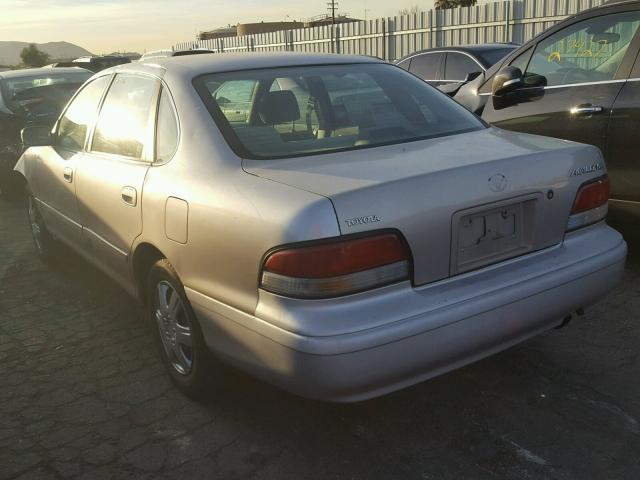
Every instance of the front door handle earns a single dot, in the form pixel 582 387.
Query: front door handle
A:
pixel 586 110
pixel 67 173
pixel 129 196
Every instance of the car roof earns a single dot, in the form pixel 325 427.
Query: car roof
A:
pixel 228 62
pixel 36 72
pixel 471 49
pixel 604 6
pixel 614 2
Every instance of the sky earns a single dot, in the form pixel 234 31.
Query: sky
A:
pixel 104 26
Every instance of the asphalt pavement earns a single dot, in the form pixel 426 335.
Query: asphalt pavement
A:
pixel 83 395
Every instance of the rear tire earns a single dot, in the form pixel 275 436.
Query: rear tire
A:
pixel 177 332
pixel 42 239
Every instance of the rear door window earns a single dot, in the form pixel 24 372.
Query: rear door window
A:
pixel 166 129
pixel 405 64
pixel 124 124
pixel 458 66
pixel 427 66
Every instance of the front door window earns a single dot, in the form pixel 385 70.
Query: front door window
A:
pixel 587 51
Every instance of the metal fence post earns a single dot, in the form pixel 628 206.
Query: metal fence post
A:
pixel 507 20
pixel 384 39
pixel 430 19
pixel 391 39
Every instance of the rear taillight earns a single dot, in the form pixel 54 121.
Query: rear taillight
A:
pixel 338 267
pixel 590 205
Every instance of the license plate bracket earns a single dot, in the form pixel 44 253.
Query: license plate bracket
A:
pixel 491 233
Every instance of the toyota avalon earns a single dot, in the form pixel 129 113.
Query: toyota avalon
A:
pixel 331 224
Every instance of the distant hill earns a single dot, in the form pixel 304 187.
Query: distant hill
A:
pixel 10 51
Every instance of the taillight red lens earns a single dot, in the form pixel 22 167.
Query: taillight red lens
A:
pixel 339 258
pixel 338 267
pixel 590 196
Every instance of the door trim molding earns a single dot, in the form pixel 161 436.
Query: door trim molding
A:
pixel 106 242
pixel 59 213
pixel 553 87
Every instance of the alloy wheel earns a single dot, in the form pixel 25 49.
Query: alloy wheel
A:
pixel 174 327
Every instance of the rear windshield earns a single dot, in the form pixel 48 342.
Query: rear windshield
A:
pixel 287 112
pixel 493 56
pixel 14 85
pixel 15 90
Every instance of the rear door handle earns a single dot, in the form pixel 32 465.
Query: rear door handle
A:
pixel 67 173
pixel 585 110
pixel 129 196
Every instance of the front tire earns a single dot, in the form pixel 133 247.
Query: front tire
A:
pixel 177 332
pixel 10 186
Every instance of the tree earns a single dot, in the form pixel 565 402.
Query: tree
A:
pixel 410 11
pixel 442 4
pixel 33 57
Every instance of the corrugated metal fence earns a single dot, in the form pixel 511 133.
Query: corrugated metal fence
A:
pixel 392 38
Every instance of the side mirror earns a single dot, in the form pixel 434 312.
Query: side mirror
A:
pixel 471 76
pixel 37 136
pixel 506 81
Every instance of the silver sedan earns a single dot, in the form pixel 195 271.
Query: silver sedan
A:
pixel 331 224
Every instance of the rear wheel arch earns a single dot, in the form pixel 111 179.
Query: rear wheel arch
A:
pixel 144 257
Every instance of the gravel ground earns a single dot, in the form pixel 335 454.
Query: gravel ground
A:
pixel 83 395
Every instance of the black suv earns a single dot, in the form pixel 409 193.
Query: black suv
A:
pixel 579 80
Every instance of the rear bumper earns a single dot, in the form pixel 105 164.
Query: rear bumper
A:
pixel 370 344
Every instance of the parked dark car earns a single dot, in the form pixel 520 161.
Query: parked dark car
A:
pixel 99 63
pixel 579 80
pixel 31 97
pixel 61 65
pixel 451 67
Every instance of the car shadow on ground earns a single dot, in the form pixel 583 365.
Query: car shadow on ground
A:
pixel 83 390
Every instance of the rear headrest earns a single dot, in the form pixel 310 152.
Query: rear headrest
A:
pixel 279 107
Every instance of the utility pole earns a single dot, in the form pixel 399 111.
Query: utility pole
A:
pixel 332 5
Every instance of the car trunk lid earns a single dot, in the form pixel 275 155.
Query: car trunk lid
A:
pixel 462 202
